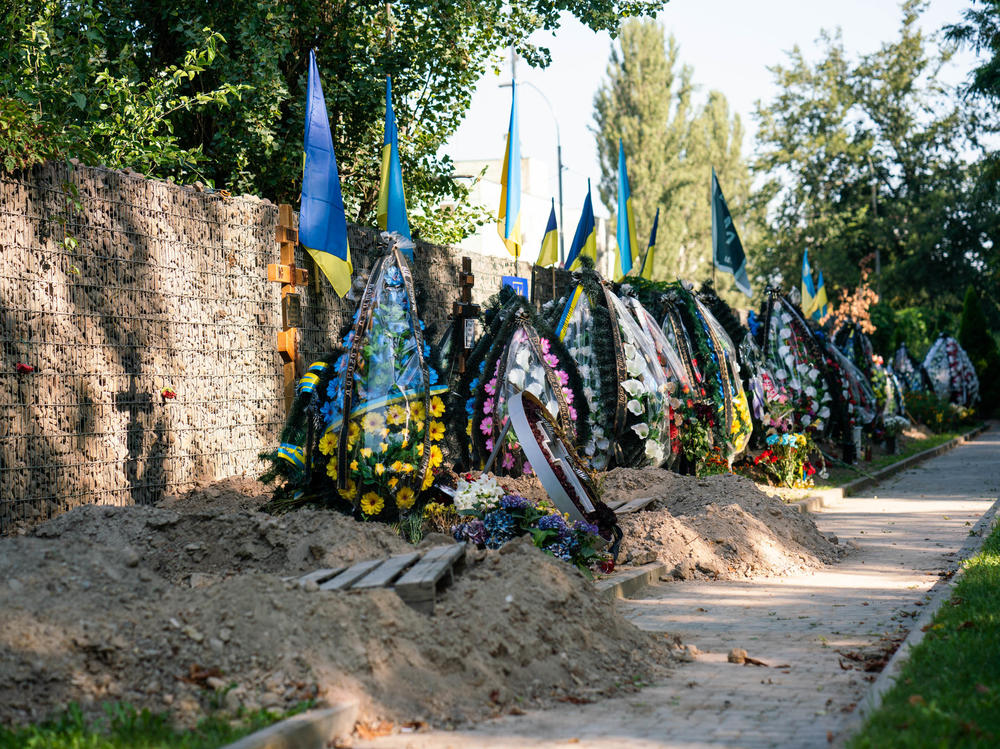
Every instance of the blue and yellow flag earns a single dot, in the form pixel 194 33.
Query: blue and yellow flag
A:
pixel 549 254
pixel 322 222
pixel 808 290
pixel 647 260
pixel 820 300
pixel 585 239
pixel 391 200
pixel 628 250
pixel 727 250
pixel 509 215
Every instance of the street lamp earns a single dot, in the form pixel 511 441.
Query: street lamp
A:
pixel 559 164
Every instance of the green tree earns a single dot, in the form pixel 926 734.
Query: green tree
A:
pixel 670 145
pixel 435 51
pixel 876 153
pixel 976 338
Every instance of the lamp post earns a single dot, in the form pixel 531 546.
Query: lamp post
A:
pixel 559 164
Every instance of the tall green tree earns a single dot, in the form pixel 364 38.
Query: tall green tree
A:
pixel 435 50
pixel 877 153
pixel 671 145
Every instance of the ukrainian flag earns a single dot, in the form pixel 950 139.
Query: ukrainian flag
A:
pixel 322 222
pixel 391 201
pixel 808 290
pixel 549 254
pixel 585 239
pixel 509 215
pixel 820 301
pixel 647 260
pixel 627 237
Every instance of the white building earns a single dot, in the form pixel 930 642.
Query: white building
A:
pixel 538 188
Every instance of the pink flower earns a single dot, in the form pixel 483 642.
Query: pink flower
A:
pixel 572 413
pixel 551 360
pixel 489 444
pixel 567 394
pixel 491 386
pixel 486 425
pixel 563 377
pixel 527 468
pixel 508 461
pixel 488 406
pixel 545 345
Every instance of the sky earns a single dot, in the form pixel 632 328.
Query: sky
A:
pixel 729 43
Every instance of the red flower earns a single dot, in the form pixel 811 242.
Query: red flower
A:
pixel 24 368
pixel 607 566
pixel 168 393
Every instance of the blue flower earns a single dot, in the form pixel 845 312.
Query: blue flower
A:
pixel 427 351
pixel 341 364
pixel 474 531
pixel 432 375
pixel 470 406
pixel 554 522
pixel 753 322
pixel 501 528
pixel 515 502
pixel 584 527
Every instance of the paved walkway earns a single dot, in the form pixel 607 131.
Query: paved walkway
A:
pixel 908 531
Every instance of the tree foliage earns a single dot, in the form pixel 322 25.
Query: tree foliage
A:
pixel 671 145
pixel 877 153
pixel 242 122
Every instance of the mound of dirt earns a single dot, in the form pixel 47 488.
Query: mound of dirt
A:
pixel 718 527
pixel 171 610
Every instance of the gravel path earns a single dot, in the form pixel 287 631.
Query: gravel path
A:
pixel 817 633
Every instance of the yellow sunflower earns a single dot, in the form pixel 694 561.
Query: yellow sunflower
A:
pixel 437 430
pixel 328 442
pixel 372 504
pixel 331 468
pixel 396 414
pixel 373 422
pixel 353 432
pixel 417 410
pixel 437 457
pixel 405 498
pixel 428 480
pixel 350 490
pixel 437 406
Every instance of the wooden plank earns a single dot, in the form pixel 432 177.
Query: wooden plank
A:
pixel 634 506
pixel 418 587
pixel 320 576
pixel 385 573
pixel 617 503
pixel 346 578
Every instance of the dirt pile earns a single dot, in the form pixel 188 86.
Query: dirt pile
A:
pixel 718 527
pixel 170 611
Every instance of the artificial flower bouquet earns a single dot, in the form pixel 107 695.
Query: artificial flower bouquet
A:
pixel 382 417
pixel 490 517
pixel 785 461
pixel 518 352
pixel 623 380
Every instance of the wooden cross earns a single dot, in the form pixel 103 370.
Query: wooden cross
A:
pixel 464 313
pixel 289 276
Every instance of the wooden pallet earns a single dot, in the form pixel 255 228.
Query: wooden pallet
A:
pixel 634 505
pixel 417 576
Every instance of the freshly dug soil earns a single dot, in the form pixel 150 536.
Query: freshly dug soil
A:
pixel 168 610
pixel 717 527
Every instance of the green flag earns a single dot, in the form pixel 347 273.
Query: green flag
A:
pixel 727 250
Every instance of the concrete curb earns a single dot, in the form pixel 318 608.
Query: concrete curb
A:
pixel 628 583
pixel 828 497
pixel 937 596
pixel 310 730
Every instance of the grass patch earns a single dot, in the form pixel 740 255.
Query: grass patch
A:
pixel 840 475
pixel 948 693
pixel 125 727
